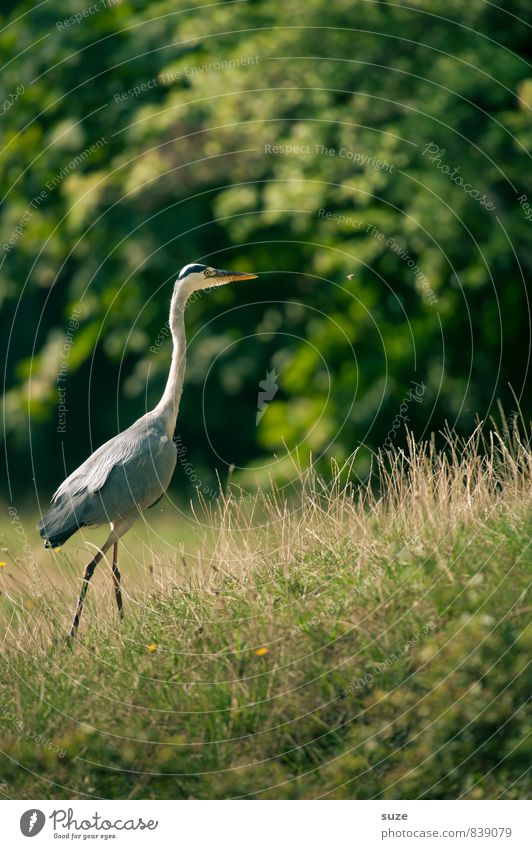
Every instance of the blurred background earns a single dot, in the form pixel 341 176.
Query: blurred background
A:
pixel 371 161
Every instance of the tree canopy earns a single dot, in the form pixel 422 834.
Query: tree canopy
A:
pixel 370 160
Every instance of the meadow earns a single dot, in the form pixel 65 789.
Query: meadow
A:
pixel 327 640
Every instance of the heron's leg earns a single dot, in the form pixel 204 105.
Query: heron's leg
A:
pixel 116 582
pixel 87 575
pixel 118 529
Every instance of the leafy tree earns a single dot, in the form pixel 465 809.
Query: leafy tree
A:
pixel 368 159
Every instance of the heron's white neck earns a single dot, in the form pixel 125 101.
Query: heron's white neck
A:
pixel 168 407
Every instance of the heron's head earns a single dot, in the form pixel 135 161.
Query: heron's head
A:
pixel 196 276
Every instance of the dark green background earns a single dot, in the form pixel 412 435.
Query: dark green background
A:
pixel 184 175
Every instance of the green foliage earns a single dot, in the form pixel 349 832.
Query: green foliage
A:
pixel 187 169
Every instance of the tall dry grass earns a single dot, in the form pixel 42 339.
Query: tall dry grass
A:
pixel 421 494
pixel 417 497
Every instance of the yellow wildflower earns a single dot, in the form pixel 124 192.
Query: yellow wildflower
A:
pixel 261 652
pixel 152 647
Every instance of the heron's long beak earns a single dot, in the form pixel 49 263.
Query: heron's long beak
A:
pixel 224 276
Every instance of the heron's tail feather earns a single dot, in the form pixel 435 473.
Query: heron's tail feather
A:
pixel 57 525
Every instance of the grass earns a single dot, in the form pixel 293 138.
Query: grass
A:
pixel 338 642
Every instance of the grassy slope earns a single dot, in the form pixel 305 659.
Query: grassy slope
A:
pixel 396 664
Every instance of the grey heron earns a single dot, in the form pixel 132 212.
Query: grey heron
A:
pixel 133 469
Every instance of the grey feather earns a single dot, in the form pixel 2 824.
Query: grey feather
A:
pixel 125 475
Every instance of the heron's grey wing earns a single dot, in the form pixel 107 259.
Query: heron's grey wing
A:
pixel 134 483
pixel 93 473
pixel 122 475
